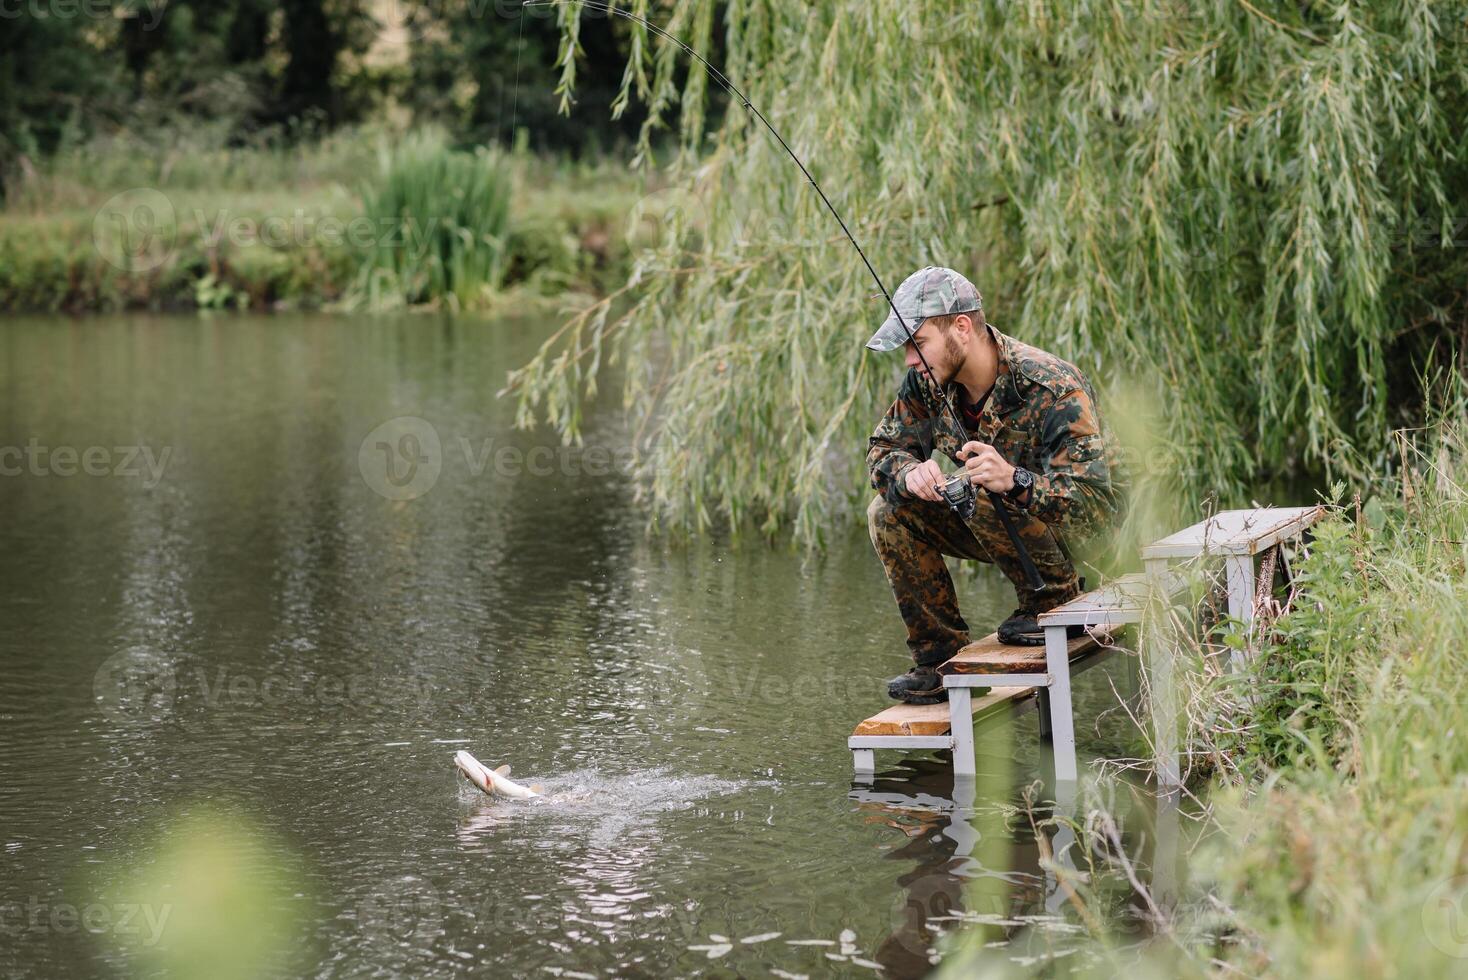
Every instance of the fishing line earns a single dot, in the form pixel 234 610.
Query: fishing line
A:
pixel 1026 561
pixel 515 104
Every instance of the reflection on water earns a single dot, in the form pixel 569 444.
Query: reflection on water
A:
pixel 994 885
pixel 297 626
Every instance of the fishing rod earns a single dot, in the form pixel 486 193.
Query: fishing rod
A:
pixel 957 491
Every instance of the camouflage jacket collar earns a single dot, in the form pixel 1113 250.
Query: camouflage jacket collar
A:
pixel 1005 396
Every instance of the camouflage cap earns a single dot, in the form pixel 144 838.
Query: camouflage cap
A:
pixel 930 291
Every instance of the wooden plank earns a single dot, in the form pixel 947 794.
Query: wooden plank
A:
pixel 1113 605
pixel 989 656
pixel 932 719
pixel 1235 532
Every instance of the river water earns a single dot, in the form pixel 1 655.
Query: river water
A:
pixel 262 576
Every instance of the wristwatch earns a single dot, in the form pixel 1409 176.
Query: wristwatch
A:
pixel 1023 481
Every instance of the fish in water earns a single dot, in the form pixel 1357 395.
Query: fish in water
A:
pixel 495 782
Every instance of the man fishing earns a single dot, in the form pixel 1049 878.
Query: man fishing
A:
pixel 1031 435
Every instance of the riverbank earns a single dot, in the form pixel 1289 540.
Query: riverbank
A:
pixel 1329 836
pixel 1343 848
pixel 127 224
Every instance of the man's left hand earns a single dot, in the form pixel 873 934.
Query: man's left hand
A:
pixel 986 468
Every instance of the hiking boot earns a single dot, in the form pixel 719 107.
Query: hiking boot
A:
pixel 920 685
pixel 1022 630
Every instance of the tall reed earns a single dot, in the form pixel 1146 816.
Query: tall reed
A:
pixel 439 221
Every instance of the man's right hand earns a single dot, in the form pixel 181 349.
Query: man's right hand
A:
pixel 924 479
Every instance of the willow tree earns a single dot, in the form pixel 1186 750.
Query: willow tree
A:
pixel 1242 214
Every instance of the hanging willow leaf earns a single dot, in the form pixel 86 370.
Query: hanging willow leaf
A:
pixel 1228 211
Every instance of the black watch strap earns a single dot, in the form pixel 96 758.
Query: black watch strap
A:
pixel 1023 481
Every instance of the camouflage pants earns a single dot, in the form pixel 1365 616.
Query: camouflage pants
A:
pixel 912 538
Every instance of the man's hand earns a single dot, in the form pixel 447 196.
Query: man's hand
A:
pixel 986 468
pixel 924 479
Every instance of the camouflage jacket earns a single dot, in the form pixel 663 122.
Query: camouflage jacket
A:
pixel 1041 414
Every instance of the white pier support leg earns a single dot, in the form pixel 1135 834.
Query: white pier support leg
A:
pixel 1239 573
pixel 864 760
pixel 1062 848
pixel 1165 851
pixel 1042 698
pixel 1062 720
pixel 1159 660
pixel 961 724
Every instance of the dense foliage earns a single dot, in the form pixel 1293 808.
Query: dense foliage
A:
pixel 366 218
pixel 72 71
pixel 251 71
pixel 441 223
pixel 1244 213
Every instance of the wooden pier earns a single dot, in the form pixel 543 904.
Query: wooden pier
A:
pixel 1021 676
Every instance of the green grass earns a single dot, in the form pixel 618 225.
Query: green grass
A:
pixel 440 220
pixel 200 225
pixel 1333 839
pixel 1347 832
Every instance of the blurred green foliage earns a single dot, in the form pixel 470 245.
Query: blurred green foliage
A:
pixel 265 227
pixel 256 72
pixel 439 220
pixel 215 893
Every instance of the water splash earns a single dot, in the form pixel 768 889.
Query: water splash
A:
pixel 600 807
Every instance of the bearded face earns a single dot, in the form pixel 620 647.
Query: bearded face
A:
pixel 953 357
pixel 942 350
